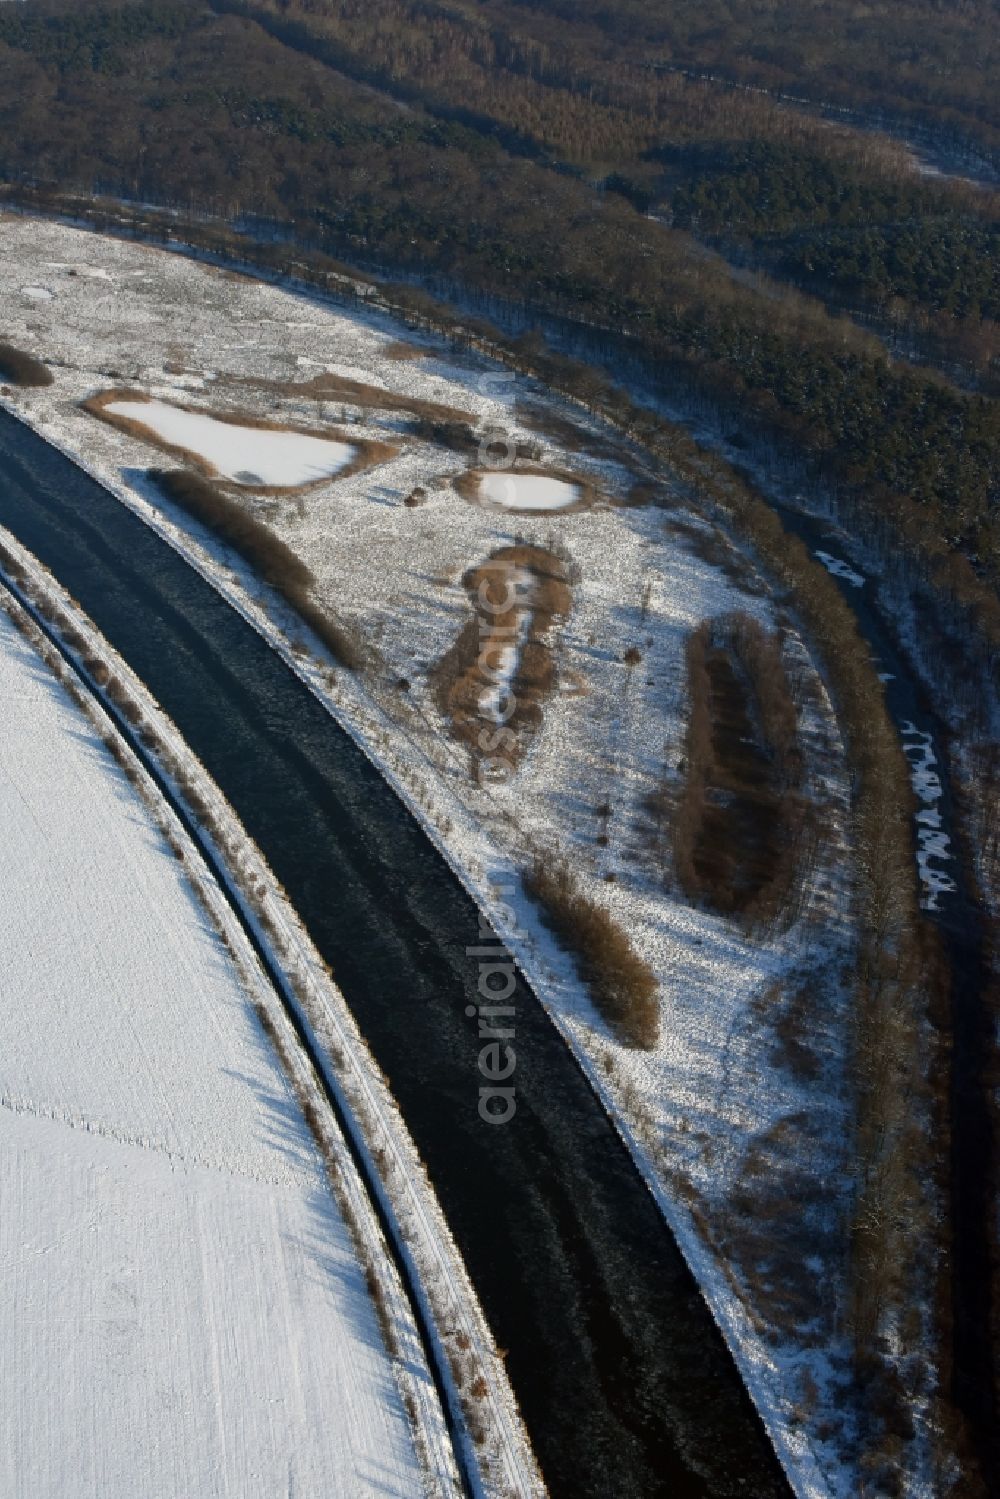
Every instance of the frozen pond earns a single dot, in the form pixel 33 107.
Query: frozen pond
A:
pixel 528 491
pixel 255 456
pixel 841 569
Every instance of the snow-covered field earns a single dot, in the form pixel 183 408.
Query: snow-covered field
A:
pixel 737 1113
pixel 183 1311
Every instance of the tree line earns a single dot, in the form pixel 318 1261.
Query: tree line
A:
pixel 216 113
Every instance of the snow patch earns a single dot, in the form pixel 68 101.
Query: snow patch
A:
pixel 504 660
pixel 841 569
pixel 933 844
pixel 528 491
pixel 256 457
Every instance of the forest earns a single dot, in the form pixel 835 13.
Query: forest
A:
pixel 514 160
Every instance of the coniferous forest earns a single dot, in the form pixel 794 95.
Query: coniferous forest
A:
pixel 793 268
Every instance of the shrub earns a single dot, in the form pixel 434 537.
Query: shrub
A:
pixel 402 352
pixel 457 437
pixel 742 831
pixel 22 369
pixel 342 641
pixel 268 554
pixel 621 983
pixel 275 561
pixel 463 673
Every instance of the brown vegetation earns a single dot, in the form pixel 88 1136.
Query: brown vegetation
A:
pixel 621 983
pixel 561 430
pixel 797 1039
pixel 516 594
pixel 343 641
pixel 22 369
pixel 893 1154
pixel 458 436
pixel 780 1236
pixel 366 452
pixel 270 557
pixel 742 828
pixel 327 386
pixel 402 352
pixel 10 564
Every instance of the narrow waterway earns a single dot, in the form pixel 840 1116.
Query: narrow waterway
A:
pixel 625 1384
pixel 949 901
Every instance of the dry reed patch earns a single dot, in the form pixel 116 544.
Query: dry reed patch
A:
pixel 330 387
pixel 469 486
pixel 643 493
pixel 275 562
pixel 797 1048
pixel 783 1233
pixel 367 453
pixel 714 547
pixel 402 352
pixel 742 825
pixel 621 983
pixel 492 683
pixel 564 432
pixel 22 369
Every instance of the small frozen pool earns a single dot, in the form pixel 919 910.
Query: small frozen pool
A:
pixel 253 456
pixel 528 491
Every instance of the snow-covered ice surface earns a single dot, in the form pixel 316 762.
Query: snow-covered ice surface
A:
pixel 181 1308
pixel 933 841
pixel 738 1116
pixel 252 456
pixel 527 492
pixel 841 569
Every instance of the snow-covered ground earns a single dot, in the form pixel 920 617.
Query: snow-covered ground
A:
pixel 737 1116
pixel 183 1310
